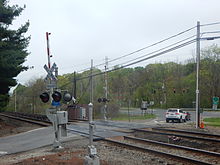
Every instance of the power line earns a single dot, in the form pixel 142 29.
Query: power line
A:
pixel 158 50
pixel 159 42
pixel 212 32
pixel 214 23
pixel 147 58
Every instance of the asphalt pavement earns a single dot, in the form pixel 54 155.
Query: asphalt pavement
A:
pixel 160 113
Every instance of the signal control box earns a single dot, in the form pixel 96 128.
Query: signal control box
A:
pixel 62 117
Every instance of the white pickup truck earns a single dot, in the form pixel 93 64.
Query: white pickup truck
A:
pixel 173 114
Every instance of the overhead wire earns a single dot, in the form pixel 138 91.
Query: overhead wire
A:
pixel 210 24
pixel 211 32
pixel 158 50
pixel 144 59
pixel 159 42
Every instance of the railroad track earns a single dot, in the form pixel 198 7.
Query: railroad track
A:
pixel 178 158
pixel 200 134
pixel 182 151
pixel 38 119
pixel 178 135
pixel 185 154
pixel 31 120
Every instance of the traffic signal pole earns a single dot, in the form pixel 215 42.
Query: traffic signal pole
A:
pixel 197 76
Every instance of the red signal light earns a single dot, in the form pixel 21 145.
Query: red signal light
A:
pixel 56 96
pixel 45 97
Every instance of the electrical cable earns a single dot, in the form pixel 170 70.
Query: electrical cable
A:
pixel 158 50
pixel 210 24
pixel 141 60
pixel 98 71
pixel 210 32
pixel 173 36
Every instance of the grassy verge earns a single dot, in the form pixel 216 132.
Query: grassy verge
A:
pixel 212 122
pixel 125 117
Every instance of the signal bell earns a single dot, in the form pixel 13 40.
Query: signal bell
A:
pixel 67 97
pixel 45 97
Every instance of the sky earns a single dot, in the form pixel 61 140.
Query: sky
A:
pixel 85 30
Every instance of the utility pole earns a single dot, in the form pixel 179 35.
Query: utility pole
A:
pixel 91 83
pixel 106 87
pixel 74 88
pixel 106 78
pixel 197 76
pixel 15 101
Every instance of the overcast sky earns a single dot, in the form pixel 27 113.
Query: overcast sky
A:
pixel 82 30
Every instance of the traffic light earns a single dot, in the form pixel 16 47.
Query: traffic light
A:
pixel 99 100
pixel 103 100
pixel 56 96
pixel 45 97
pixel 67 97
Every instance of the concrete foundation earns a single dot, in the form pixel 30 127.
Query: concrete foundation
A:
pixel 94 160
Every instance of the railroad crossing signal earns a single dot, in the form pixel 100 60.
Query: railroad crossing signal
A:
pixel 56 96
pixel 50 71
pixel 45 97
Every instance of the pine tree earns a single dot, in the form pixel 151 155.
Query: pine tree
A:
pixel 13 49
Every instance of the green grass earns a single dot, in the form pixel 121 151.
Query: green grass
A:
pixel 212 122
pixel 125 117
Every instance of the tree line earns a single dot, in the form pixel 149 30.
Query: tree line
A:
pixel 164 84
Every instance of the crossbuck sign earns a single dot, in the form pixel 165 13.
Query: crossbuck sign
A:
pixel 51 76
pixel 50 71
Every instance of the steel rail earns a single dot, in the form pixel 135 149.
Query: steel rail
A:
pixel 41 123
pixel 189 160
pixel 98 138
pixel 179 135
pixel 188 132
pixel 85 134
pixel 173 146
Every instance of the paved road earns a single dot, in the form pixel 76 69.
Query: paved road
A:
pixel 45 136
pixel 160 113
pixel 28 140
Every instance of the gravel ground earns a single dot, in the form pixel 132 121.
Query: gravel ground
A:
pixel 11 126
pixel 76 150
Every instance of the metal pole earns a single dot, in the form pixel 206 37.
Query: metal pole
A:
pixel 92 158
pixel 90 125
pixel 106 78
pixel 197 75
pixel 129 117
pixel 106 87
pixel 74 92
pixel 15 101
pixel 91 83
pixel 48 48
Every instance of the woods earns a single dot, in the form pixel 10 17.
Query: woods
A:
pixel 13 52
pixel 166 84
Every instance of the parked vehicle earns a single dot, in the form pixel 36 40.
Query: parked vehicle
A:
pixel 175 114
pixel 188 116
